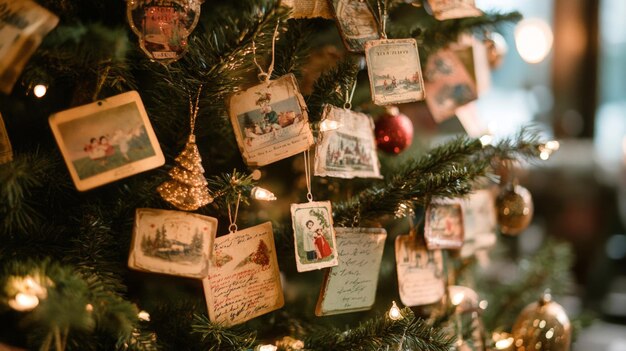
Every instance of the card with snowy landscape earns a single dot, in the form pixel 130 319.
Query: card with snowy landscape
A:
pixel 172 242
pixel 348 149
pixel 394 70
pixel 106 140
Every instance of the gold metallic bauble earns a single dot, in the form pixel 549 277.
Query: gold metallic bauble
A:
pixel 542 326
pixel 515 209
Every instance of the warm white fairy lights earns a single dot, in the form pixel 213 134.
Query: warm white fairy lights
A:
pixel 266 347
pixel 328 124
pixel 394 312
pixel 262 194
pixel 28 293
pixel 40 90
pixel 547 149
pixel 143 316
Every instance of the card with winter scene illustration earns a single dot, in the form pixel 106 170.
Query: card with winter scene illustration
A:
pixel 314 236
pixel 443 227
pixel 172 242
pixel 270 121
pixel 451 9
pixel 23 25
pixel 349 150
pixel 244 278
pixel 448 83
pixel 479 221
pixel 106 140
pixel 356 22
pixel 394 71
pixel 421 276
pixel 351 285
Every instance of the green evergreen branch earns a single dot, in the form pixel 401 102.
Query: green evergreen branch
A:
pixel 409 333
pixel 331 88
pixel 216 337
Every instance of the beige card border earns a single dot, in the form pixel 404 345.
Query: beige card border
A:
pixel 418 96
pixel 313 266
pixel 85 111
pixel 282 145
pixel 319 308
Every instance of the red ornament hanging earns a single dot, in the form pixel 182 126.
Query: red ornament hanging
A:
pixel 394 131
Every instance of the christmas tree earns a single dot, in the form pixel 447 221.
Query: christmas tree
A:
pixel 65 281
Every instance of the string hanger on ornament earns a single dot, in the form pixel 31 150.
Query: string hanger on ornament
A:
pixel 263 76
pixel 232 228
pixel 193 114
pixel 349 95
pixel 307 174
pixel 382 18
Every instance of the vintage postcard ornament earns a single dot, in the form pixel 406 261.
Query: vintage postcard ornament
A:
pixel 443 228
pixel 23 24
pixel 106 140
pixel 163 26
pixel 448 83
pixel 172 242
pixel 351 285
pixel 451 9
pixel 356 22
pixel 244 279
pixel 421 276
pixel 6 152
pixel 308 8
pixel 314 236
pixel 479 221
pixel 270 121
pixel 350 150
pixel 394 71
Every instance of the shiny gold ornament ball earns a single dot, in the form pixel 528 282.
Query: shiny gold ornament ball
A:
pixel 515 209
pixel 542 326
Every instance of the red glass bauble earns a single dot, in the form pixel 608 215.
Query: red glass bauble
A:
pixel 394 131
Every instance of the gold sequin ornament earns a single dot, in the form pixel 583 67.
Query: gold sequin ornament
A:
pixel 187 190
pixel 542 326
pixel 515 209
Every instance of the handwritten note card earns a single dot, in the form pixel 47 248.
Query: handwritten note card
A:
pixel 351 286
pixel 420 272
pixel 244 280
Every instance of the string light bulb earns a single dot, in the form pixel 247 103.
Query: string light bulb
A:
pixel 547 149
pixel 143 316
pixel 266 347
pixel 503 340
pixel 394 312
pixel 533 39
pixel 262 194
pixel 458 298
pixel 24 302
pixel 328 124
pixel 40 90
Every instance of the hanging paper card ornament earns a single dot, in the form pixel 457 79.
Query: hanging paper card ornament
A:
pixel 172 242
pixel 448 83
pixel 6 152
pixel 421 278
pixel 270 121
pixel 163 26
pixel 351 285
pixel 479 221
pixel 314 236
pixel 394 71
pixel 348 150
pixel 23 24
pixel 443 228
pixel 308 8
pixel 244 280
pixel 451 9
pixel 106 140
pixel 356 22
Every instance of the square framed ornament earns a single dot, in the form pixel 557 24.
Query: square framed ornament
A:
pixel 443 227
pixel 23 25
pixel 244 278
pixel 421 274
pixel 351 285
pixel 452 9
pixel 448 83
pixel 356 22
pixel 270 121
pixel 350 150
pixel 6 151
pixel 106 140
pixel 172 242
pixel 393 66
pixel 314 236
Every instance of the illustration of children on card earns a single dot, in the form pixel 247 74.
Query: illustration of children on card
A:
pixel 172 242
pixel 270 121
pixel 314 237
pixel 448 83
pixel 394 71
pixel 356 23
pixel 443 228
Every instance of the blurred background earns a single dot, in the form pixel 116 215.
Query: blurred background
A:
pixel 565 70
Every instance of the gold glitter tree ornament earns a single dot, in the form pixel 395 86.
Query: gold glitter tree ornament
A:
pixel 187 190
